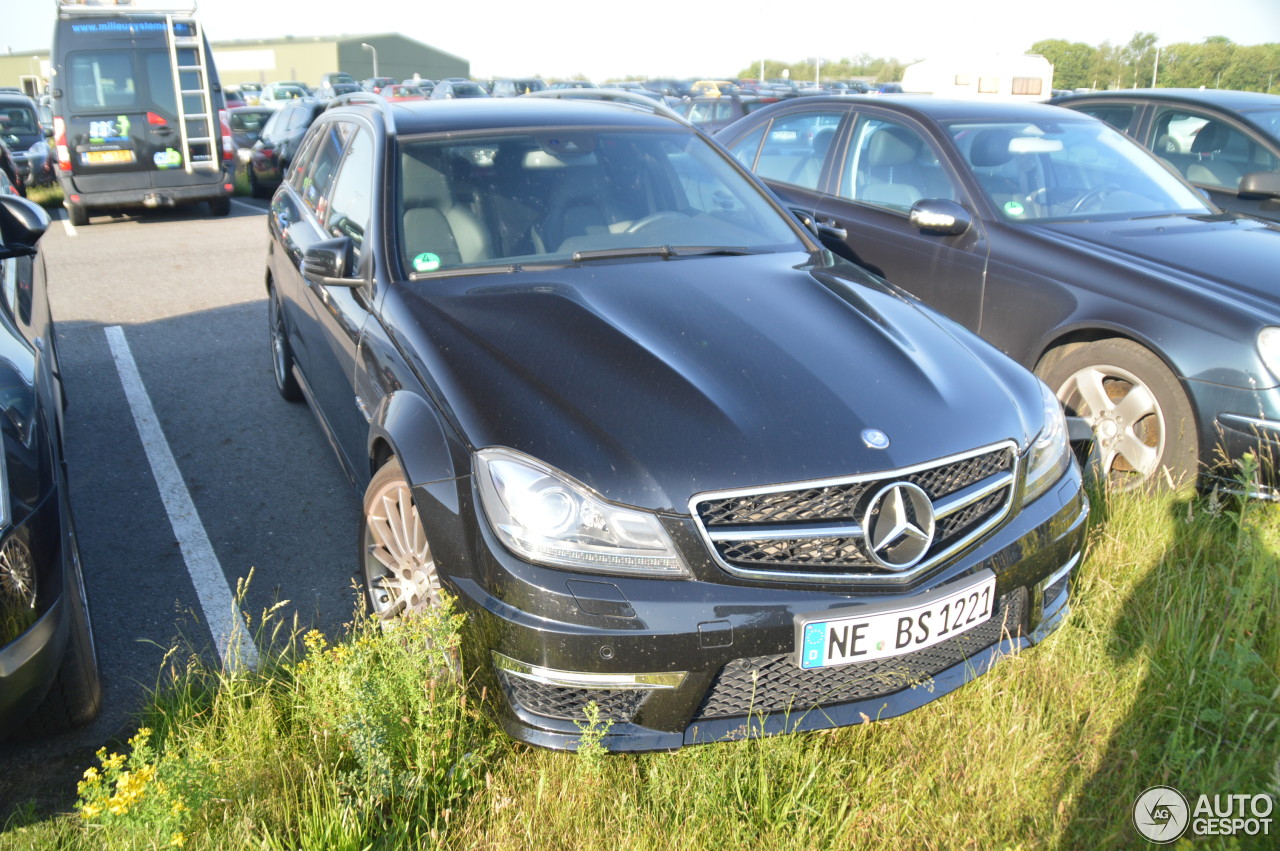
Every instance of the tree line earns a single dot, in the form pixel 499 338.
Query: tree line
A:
pixel 1215 63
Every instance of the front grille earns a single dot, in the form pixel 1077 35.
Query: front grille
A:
pixel 551 701
pixel 770 684
pixel 816 531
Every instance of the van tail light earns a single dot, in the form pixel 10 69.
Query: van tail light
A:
pixel 156 120
pixel 60 143
pixel 228 150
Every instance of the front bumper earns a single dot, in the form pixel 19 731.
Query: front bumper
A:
pixel 676 662
pixel 1239 424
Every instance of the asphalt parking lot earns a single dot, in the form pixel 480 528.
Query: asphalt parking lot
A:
pixel 252 484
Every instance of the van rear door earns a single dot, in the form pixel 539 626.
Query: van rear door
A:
pixel 122 122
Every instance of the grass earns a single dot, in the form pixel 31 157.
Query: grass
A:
pixel 1167 672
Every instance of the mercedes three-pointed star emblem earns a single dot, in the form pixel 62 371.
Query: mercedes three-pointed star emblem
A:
pixel 899 526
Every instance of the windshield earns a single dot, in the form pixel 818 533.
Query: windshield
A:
pixel 1069 169
pixel 544 196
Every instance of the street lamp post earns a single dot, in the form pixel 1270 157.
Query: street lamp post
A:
pixel 374 51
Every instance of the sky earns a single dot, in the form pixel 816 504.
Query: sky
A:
pixel 602 40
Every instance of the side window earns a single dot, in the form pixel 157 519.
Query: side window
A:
pixel 1207 150
pixel 298 168
pixel 745 149
pixel 318 180
pixel 351 204
pixel 891 165
pixel 796 147
pixel 1118 116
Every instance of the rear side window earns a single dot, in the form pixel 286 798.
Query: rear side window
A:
pixel 320 171
pixel 796 147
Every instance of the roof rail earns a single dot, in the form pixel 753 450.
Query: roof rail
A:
pixel 618 96
pixel 366 99
pixel 89 8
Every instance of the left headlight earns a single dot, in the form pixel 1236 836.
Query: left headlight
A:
pixel 1269 349
pixel 1049 454
pixel 546 517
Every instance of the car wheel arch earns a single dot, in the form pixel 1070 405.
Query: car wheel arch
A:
pixel 407 427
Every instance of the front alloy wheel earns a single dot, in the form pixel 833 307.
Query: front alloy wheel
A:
pixel 399 571
pixel 281 351
pixel 1143 428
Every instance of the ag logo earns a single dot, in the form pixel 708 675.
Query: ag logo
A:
pixel 1161 814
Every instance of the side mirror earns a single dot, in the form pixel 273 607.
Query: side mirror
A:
pixel 22 223
pixel 1260 184
pixel 941 217
pixel 328 263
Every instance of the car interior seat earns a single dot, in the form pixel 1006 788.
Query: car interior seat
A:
pixel 1210 166
pixel 579 204
pixel 991 158
pixel 433 222
pixel 890 175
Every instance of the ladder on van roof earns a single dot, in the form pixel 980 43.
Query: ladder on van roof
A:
pixel 197 120
pixel 190 63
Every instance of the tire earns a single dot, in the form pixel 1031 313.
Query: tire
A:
pixel 397 568
pixel 256 189
pixel 1143 424
pixel 78 215
pixel 281 351
pixel 220 206
pixel 76 694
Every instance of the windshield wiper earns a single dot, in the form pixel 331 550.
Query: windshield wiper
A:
pixel 663 251
pixel 666 252
pixel 459 271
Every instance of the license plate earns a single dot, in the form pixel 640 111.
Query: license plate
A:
pixel 858 637
pixel 107 157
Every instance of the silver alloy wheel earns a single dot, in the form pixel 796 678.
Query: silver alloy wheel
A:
pixel 399 569
pixel 278 356
pixel 1128 424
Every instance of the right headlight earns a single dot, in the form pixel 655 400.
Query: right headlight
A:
pixel 1049 454
pixel 546 517
pixel 1269 349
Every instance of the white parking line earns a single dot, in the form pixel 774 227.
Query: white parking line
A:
pixel 221 613
pixel 66 223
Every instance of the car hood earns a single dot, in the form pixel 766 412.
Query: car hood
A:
pixel 654 380
pixel 1234 256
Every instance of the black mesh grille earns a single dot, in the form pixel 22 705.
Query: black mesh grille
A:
pixel 767 684
pixel 616 705
pixel 1055 590
pixel 810 509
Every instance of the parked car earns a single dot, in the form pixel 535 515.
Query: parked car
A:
pixel 1152 314
pixel 449 89
pixel 231 98
pixel 275 95
pixel 668 454
pixel 246 123
pixel 48 663
pixel 1225 142
pixel 9 169
pixel 715 113
pixel 376 84
pixel 328 82
pixel 250 91
pixel 713 88
pixel 402 92
pixel 509 88
pixel 273 152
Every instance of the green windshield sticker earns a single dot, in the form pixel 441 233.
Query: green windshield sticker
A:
pixel 1013 208
pixel 426 262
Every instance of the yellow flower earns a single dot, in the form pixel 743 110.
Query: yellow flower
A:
pixel 89 811
pixel 179 807
pixel 178 840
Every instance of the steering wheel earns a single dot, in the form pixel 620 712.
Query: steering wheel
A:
pixel 1094 196
pixel 645 221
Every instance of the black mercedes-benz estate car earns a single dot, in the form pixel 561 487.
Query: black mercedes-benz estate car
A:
pixel 48 664
pixel 669 454
pixel 1152 314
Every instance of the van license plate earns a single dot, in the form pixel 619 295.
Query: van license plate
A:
pixel 107 157
pixel 880 635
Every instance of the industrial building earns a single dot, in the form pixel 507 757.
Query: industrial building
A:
pixel 289 58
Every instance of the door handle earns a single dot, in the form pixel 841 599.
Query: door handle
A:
pixel 831 228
